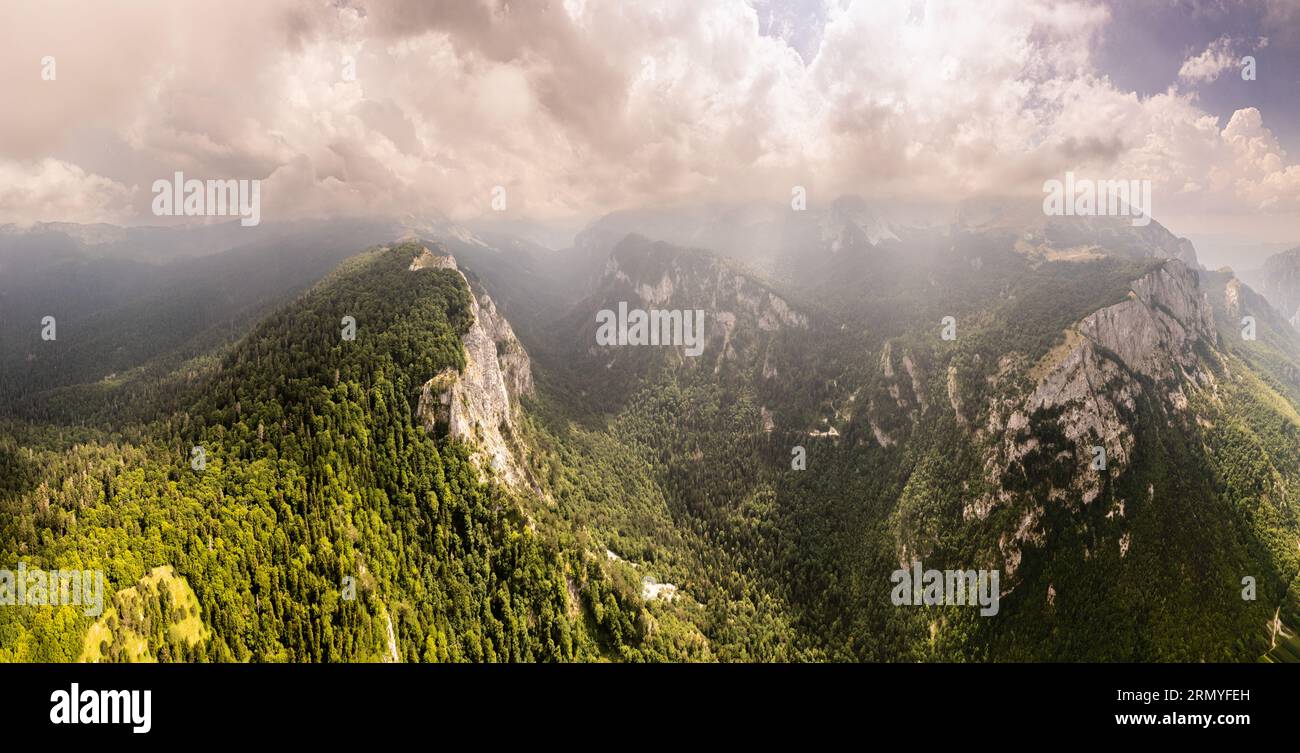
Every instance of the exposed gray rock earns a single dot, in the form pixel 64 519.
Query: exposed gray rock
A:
pixel 1156 327
pixel 660 275
pixel 918 386
pixel 429 260
pixel 516 367
pixel 954 396
pixel 1090 386
pixel 1232 298
pixel 477 405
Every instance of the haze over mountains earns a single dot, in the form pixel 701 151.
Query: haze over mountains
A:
pixel 1279 281
pixel 872 391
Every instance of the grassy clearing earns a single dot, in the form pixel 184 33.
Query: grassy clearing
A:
pixel 160 610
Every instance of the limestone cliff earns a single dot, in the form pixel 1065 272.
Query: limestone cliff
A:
pixel 478 404
pixel 656 274
pixel 742 314
pixel 1154 329
pixel 1088 389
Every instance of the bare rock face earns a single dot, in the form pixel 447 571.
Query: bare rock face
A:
pixel 1152 333
pixel 477 405
pixel 1093 396
pixel 1155 328
pixel 1089 387
pixel 1187 253
pixel 1232 298
pixel 429 260
pixel 1241 300
pixel 954 396
pixel 904 384
pixel 435 401
pixel 653 274
pixel 516 367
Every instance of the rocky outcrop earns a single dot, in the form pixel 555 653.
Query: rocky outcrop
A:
pixel 477 405
pixel 1089 382
pixel 1240 300
pixel 908 394
pixel 954 396
pixel 429 260
pixel 1232 298
pixel 658 274
pixel 1154 330
pixel 852 224
pixel 1187 253
pixel 740 313
pixel 1092 397
pixel 1088 387
pixel 516 367
pixel 918 385
pixel 652 589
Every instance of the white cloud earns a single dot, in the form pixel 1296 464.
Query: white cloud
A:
pixel 50 190
pixel 1207 66
pixel 945 98
pixel 1263 175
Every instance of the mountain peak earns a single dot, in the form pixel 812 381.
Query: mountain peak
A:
pixel 479 403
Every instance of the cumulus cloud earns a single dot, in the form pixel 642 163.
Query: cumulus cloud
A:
pixel 586 106
pixel 1207 66
pixel 50 190
pixel 1263 177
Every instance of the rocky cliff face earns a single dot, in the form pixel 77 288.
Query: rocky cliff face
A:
pixel 478 404
pixel 730 323
pixel 1085 392
pixel 738 309
pixel 1155 329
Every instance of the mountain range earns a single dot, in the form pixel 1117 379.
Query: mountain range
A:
pixel 1072 402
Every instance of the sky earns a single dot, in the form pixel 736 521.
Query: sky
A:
pixel 574 108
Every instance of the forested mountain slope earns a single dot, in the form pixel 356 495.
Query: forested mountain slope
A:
pixel 315 471
pixel 971 453
pixel 128 314
pixel 501 486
